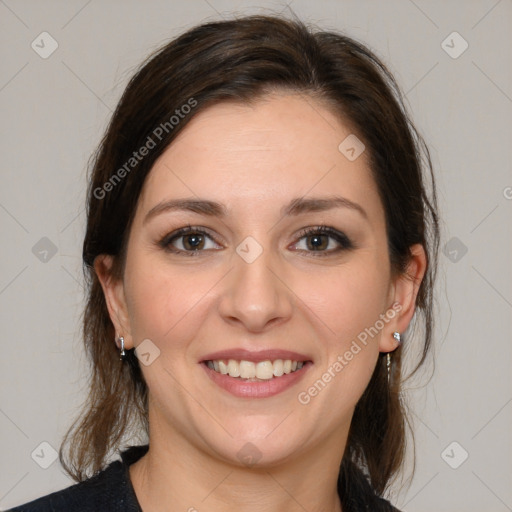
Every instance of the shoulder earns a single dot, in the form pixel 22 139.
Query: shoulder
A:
pixel 387 507
pixel 368 503
pixel 109 490
pixel 356 492
pixel 96 493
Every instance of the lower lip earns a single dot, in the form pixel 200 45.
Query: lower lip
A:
pixel 262 389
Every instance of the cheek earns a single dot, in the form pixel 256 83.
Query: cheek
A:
pixel 348 299
pixel 348 303
pixel 165 304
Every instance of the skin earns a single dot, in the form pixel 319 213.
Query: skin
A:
pixel 254 160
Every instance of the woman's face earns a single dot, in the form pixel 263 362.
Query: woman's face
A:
pixel 257 240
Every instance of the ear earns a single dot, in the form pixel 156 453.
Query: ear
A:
pixel 403 293
pixel 113 290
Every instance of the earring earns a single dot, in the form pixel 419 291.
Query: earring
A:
pixel 120 341
pixel 398 338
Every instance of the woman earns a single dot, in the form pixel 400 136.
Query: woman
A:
pixel 259 238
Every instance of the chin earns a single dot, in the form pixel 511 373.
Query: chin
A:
pixel 259 445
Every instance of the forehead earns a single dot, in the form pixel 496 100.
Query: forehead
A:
pixel 281 146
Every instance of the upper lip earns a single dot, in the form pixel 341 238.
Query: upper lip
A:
pixel 239 354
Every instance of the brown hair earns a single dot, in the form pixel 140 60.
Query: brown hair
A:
pixel 241 60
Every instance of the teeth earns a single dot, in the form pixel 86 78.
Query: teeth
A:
pixel 247 370
pixel 233 368
pixel 223 367
pixel 264 370
pixel 278 367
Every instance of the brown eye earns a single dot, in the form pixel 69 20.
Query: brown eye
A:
pixel 317 242
pixel 323 241
pixel 193 242
pixel 188 241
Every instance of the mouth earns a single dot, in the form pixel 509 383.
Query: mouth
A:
pixel 256 374
pixel 251 371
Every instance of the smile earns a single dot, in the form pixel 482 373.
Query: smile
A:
pixel 255 371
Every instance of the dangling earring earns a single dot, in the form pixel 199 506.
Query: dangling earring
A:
pixel 398 338
pixel 120 345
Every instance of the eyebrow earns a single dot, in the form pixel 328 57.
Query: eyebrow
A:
pixel 303 205
pixel 297 206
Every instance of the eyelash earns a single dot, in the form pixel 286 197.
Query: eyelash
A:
pixel 344 242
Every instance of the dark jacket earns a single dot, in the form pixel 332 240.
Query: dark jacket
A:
pixel 111 491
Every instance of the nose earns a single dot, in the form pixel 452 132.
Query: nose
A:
pixel 256 294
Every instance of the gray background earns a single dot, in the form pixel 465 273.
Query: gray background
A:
pixel 54 111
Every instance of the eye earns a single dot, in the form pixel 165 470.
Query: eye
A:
pixel 189 240
pixel 323 240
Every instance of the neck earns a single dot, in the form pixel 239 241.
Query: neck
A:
pixel 176 473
